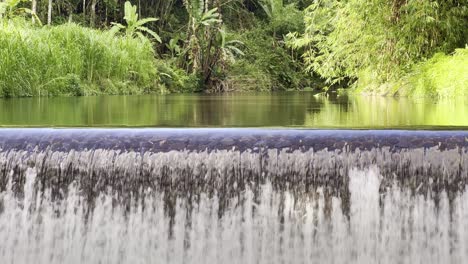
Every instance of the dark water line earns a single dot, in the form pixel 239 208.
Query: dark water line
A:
pixel 231 126
pixel 241 139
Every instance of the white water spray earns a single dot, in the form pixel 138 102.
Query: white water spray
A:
pixel 383 227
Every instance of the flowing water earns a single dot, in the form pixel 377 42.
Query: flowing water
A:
pixel 233 196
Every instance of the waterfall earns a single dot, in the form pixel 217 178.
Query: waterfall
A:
pixel 233 196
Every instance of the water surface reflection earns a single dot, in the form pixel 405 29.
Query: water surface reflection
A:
pixel 291 109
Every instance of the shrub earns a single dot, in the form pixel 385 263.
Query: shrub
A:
pixel 267 59
pixel 176 80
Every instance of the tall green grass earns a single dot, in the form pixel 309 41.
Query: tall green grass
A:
pixel 441 76
pixel 72 60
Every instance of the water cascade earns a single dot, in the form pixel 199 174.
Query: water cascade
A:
pixel 233 196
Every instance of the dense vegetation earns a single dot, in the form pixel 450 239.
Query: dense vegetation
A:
pixel 379 42
pixel 83 47
pixel 72 60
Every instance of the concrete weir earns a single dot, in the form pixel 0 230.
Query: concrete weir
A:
pixel 233 196
pixel 177 160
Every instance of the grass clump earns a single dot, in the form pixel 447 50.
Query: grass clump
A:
pixel 72 60
pixel 441 76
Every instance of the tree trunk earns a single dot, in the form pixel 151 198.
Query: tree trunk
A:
pixel 93 13
pixel 49 13
pixel 34 10
pixel 84 8
pixel 139 9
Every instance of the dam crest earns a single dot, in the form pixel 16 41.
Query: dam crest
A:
pixel 233 196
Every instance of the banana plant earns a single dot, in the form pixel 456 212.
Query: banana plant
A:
pixel 204 22
pixel 134 26
pixel 229 48
pixel 9 9
pixel 174 47
pixel 207 50
pixel 272 8
pixel 200 13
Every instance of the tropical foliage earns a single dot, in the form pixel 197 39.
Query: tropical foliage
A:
pixel 377 46
pixel 11 8
pixel 73 60
pixel 345 39
pixel 135 26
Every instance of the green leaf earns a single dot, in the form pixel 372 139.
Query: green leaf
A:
pixel 151 32
pixel 116 28
pixel 234 42
pixel 12 3
pixel 118 25
pixel 131 15
pixel 209 22
pixel 211 13
pixel 143 21
pixel 236 51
